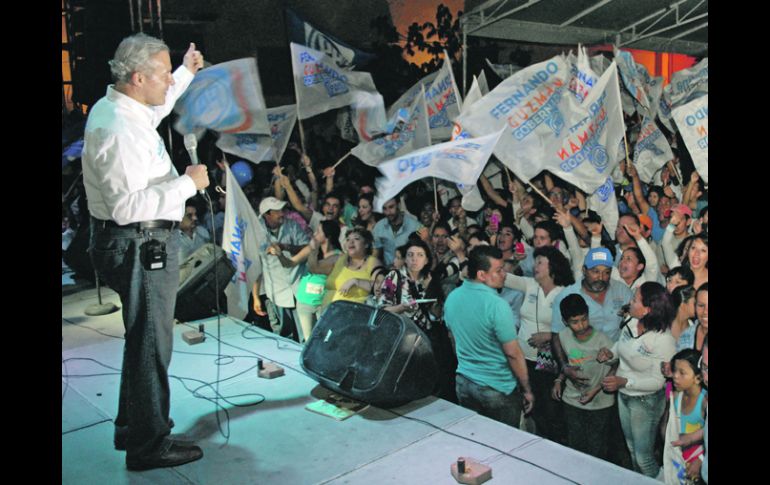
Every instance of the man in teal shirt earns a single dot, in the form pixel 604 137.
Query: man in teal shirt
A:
pixel 492 376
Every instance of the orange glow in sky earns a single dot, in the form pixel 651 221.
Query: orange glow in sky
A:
pixel 405 12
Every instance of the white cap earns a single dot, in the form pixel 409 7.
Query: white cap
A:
pixel 270 203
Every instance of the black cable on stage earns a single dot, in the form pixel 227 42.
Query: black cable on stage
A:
pixel 247 328
pixel 194 391
pixel 219 313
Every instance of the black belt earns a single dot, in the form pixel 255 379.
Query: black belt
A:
pixel 156 224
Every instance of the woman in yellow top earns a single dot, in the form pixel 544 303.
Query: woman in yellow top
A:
pixel 350 278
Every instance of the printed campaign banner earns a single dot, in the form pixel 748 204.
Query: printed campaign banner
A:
pixel 582 76
pixel 692 120
pixel 629 73
pixel 460 161
pixel 406 137
pixel 241 239
pixel 651 151
pixel 365 116
pixel 441 97
pixel 226 98
pixel 546 128
pixel 321 85
pixel 685 86
pixel 343 55
pixel 257 148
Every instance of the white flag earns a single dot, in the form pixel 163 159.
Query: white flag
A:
pixel 692 120
pixel 257 148
pixel 226 98
pixel 483 84
pixel 688 84
pixel 504 71
pixel 241 241
pixel 582 76
pixel 548 129
pixel 460 161
pixel 472 200
pixel 321 85
pixel 629 72
pixel 406 137
pixel 367 115
pixel 651 151
pixel 443 101
pixel 685 86
pixel 604 202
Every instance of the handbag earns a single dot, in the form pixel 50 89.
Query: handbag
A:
pixel 312 288
pixel 544 360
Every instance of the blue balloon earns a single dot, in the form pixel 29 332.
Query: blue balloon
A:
pixel 242 172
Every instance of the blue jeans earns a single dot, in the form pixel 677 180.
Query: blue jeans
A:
pixel 639 418
pixel 148 299
pixel 490 402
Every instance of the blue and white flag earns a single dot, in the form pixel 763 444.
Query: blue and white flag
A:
pixel 546 128
pixel 444 102
pixel 604 202
pixel 692 120
pixel 364 119
pixel 685 86
pixel 241 239
pixel 321 85
pixel 226 98
pixel 406 137
pixel 460 161
pixel 257 148
pixel 342 54
pixel 629 73
pixel 441 97
pixel 651 151
pixel 582 76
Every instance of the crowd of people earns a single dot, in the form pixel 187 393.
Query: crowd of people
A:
pixel 596 318
pixel 533 308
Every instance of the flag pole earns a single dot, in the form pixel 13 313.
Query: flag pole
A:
pixel 343 158
pixel 542 195
pixel 299 118
pixel 435 194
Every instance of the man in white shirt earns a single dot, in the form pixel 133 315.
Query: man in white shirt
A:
pixel 136 199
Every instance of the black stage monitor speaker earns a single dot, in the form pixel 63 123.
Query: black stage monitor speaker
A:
pixel 197 295
pixel 370 355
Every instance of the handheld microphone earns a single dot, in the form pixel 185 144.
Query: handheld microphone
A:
pixel 191 144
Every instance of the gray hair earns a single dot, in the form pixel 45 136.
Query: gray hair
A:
pixel 133 55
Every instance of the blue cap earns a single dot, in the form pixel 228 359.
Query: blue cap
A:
pixel 598 257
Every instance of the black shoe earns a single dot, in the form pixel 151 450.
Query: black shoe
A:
pixel 176 455
pixel 121 434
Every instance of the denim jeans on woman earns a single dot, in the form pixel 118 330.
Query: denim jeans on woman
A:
pixel 489 402
pixel 639 418
pixel 148 299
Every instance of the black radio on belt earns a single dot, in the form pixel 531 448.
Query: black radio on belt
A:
pixel 153 254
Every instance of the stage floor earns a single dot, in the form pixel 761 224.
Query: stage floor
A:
pixel 258 430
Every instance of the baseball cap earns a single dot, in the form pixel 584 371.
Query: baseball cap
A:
pixel 646 221
pixel 598 257
pixel 682 209
pixel 270 203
